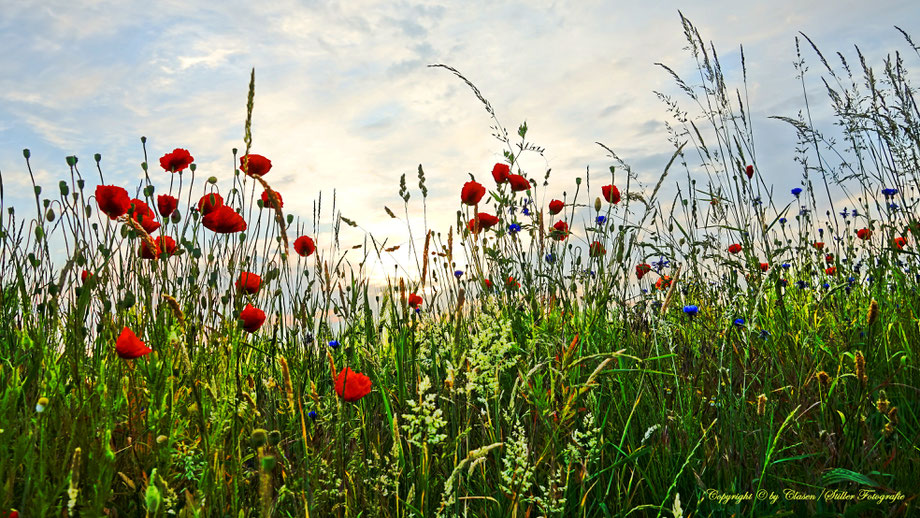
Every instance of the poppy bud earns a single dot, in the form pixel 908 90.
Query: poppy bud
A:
pixel 259 437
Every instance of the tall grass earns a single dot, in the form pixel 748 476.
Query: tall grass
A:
pixel 544 380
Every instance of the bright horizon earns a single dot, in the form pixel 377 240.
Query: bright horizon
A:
pixel 345 99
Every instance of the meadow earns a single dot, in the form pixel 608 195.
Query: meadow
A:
pixel 734 349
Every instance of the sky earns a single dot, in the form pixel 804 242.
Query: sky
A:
pixel 345 99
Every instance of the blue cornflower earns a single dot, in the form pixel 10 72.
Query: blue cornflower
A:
pixel 312 415
pixel 691 310
pixel 601 220
pixel 796 192
pixel 514 227
pixel 418 311
pixel 851 280
pixel 785 266
pixel 826 285
pixel 334 344
pixel 550 258
pixel 889 192
pixel 821 232
pixel 644 290
pixel 756 201
pixel 739 322
pixel 803 211
pixel 661 264
pixel 855 214
pixel 893 207
pixel 782 221
pixel 458 273
pixel 844 213
pixel 525 211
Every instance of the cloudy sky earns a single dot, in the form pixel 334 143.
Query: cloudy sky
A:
pixel 345 100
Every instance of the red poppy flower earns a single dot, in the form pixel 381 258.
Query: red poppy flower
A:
pixel 596 249
pixel 560 230
pixel 511 283
pixel 486 220
pixel 162 245
pixel 663 283
pixel 113 201
pixel 129 346
pixel 258 165
pixel 518 183
pixel 414 300
pixel 472 192
pixel 252 318
pixel 176 161
pixel 818 245
pixel 864 233
pixel 304 246
pixel 611 194
pixel 734 249
pixel 224 220
pixel 764 267
pixel 11 514
pixel 267 202
pixel 749 171
pixel 352 386
pixel 209 202
pixel 556 206
pixel 829 258
pixel 642 269
pixel 488 283
pixel 166 204
pixel 85 276
pixel 831 270
pixel 142 213
pixel 500 173
pixel 249 282
pixel 899 242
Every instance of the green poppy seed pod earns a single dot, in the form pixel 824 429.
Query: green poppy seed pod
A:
pixel 148 191
pixel 192 167
pixel 259 437
pixel 50 215
pixel 144 166
pixel 235 151
pixel 97 157
pixel 597 204
pixel 143 139
pixel 26 153
pixel 161 439
pixel 72 160
pixel 268 463
pixel 176 217
pixel 38 190
pixel 153 498
pixel 274 437
pixel 212 180
pixel 65 189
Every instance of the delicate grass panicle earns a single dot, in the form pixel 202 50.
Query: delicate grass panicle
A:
pixel 622 344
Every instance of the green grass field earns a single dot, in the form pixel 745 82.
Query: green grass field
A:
pixel 704 344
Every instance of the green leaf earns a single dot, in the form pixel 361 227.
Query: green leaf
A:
pixel 844 475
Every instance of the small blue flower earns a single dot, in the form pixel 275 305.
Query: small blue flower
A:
pixel 797 191
pixel 785 266
pixel 550 258
pixel 782 221
pixel 661 264
pixel 889 192
pixel 601 220
pixel 514 228
pixel 844 213
pixel 756 201
pixel 691 310
pixel 826 285
pixel 855 214
pixel 893 207
pixel 739 322
pixel 851 280
pixel 803 211
pixel 334 344
pixel 821 232
pixel 525 211
pixel 458 273
pixel 418 311
pixel 312 415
